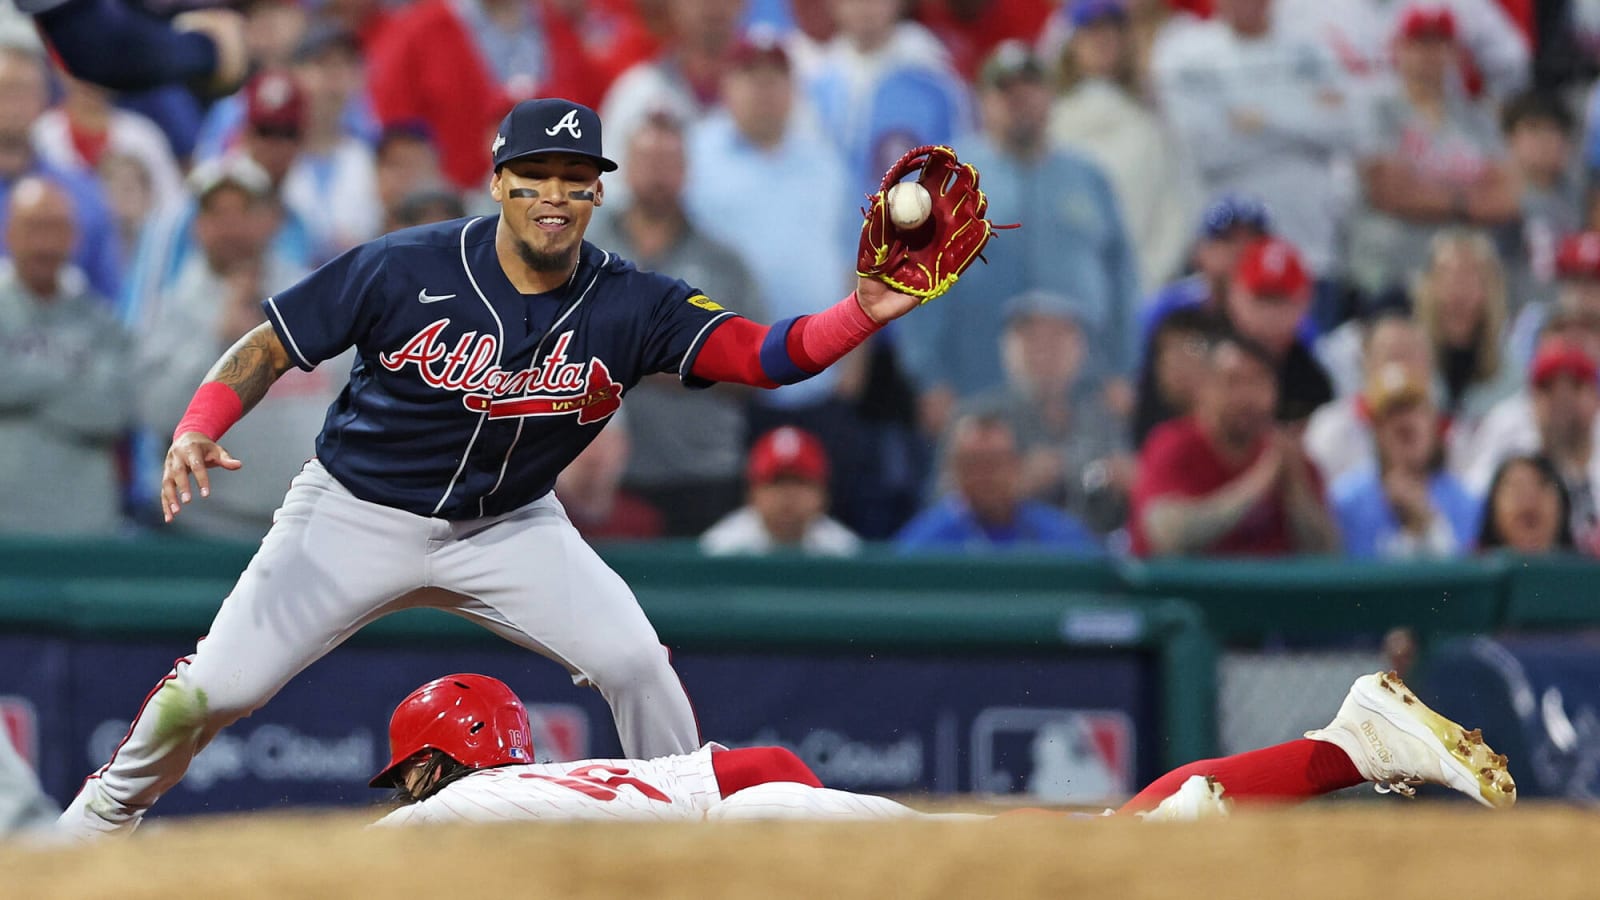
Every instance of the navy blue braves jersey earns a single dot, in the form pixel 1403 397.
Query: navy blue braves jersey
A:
pixel 468 397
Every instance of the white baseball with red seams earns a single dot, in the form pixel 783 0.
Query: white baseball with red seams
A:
pixel 910 204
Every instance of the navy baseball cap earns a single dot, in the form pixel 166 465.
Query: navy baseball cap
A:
pixel 549 125
pixel 1231 211
pixel 1084 13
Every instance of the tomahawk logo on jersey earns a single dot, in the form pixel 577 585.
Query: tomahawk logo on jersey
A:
pixel 468 397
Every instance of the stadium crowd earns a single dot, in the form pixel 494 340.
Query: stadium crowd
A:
pixel 1294 276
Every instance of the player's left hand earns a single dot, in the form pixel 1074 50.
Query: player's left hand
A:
pixel 881 302
pixel 923 262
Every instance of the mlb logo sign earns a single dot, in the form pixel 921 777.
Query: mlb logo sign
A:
pixel 20 725
pixel 1053 755
pixel 560 732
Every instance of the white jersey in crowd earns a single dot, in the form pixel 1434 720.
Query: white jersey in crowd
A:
pixel 669 789
pixel 1359 34
pixel 129 134
pixel 742 531
pixel 1266 116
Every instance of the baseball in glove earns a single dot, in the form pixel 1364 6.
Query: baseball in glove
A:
pixel 926 260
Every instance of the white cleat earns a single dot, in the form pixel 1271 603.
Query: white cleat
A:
pixel 1200 797
pixel 1397 742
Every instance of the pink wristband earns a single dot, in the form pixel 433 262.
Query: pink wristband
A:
pixel 212 412
pixel 828 335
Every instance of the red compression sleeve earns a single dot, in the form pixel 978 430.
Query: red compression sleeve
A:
pixel 817 342
pixel 1291 771
pixel 750 766
pixel 212 412
pixel 732 354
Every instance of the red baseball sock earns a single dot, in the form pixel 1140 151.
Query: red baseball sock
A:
pixel 739 769
pixel 1303 768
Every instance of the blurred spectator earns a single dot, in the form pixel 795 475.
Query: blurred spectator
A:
pixel 1229 224
pixel 1266 302
pixel 985 507
pixel 273 28
pixel 275 123
pixel 590 490
pixel 1339 435
pixel 787 507
pixel 271 143
pixel 696 438
pixel 1173 367
pixel 1461 304
pixel 1100 111
pixel 1264 114
pixel 882 87
pixel 1224 480
pixel 426 207
pixel 795 232
pixel 1493 54
pixel 84 129
pixel 1577 297
pixel 1557 416
pixel 456 66
pixel 1406 505
pixel 971 29
pixel 330 62
pixel 685 81
pixel 1073 448
pixel 332 185
pixel 1431 159
pixel 1073 244
pixel 64 387
pixel 212 302
pixel 616 35
pixel 24 88
pixel 366 19
pixel 800 227
pixel 132 198
pixel 1538 131
pixel 1527 509
pixel 1342 351
pixel 406 163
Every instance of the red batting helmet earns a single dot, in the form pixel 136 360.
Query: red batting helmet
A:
pixel 473 719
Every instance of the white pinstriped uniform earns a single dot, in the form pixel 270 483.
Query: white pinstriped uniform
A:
pixel 671 788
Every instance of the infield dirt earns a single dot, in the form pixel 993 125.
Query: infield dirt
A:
pixel 1365 851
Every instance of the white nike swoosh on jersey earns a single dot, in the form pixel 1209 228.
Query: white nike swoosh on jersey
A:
pixel 424 297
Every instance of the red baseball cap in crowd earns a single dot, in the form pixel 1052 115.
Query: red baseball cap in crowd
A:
pixel 1271 267
pixel 759 46
pixel 275 104
pixel 1424 22
pixel 787 451
pixel 1578 255
pixel 1557 356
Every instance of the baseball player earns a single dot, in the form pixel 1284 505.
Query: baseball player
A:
pixel 460 752
pixel 489 352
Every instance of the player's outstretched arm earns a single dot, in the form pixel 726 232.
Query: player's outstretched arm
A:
pixel 232 388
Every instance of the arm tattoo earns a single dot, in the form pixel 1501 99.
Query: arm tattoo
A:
pixel 252 365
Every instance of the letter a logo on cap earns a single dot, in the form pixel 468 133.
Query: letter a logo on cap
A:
pixel 568 123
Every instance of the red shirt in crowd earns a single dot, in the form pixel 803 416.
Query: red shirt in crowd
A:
pixel 971 40
pixel 1179 461
pixel 425 68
